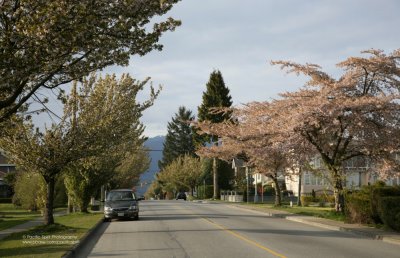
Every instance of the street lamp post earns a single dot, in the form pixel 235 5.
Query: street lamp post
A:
pixel 255 188
pixel 247 184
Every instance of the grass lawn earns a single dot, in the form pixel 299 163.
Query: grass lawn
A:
pixel 321 212
pixel 11 216
pixel 51 241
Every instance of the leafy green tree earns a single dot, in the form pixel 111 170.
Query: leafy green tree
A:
pixel 44 44
pixel 30 191
pixel 112 103
pixel 215 96
pixel 45 153
pixel 181 174
pixel 154 190
pixel 179 139
pixel 135 163
pixel 103 117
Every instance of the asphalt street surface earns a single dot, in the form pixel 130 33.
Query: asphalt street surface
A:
pixel 187 229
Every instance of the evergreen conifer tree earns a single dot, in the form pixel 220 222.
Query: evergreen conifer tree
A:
pixel 179 139
pixel 216 95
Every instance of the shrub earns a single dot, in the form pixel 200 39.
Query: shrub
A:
pixel 306 200
pixel 269 190
pixel 205 193
pixel 60 195
pixel 30 191
pixel 358 208
pixel 326 198
pixel 389 211
pixel 377 192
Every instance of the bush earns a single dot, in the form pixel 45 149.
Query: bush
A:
pixel 377 193
pixel 205 193
pixel 374 204
pixel 326 198
pixel 389 211
pixel 306 200
pixel 60 194
pixel 30 191
pixel 358 208
pixel 269 190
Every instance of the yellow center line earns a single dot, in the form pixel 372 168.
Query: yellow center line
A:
pixel 244 238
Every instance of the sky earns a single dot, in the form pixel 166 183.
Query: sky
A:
pixel 241 38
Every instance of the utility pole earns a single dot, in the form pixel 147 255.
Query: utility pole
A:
pixel 299 188
pixel 247 185
pixel 215 178
pixel 70 204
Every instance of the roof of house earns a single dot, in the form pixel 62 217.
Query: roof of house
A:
pixel 237 163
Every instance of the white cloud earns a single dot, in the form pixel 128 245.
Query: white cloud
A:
pixel 240 38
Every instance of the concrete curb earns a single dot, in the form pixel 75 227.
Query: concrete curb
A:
pixel 83 240
pixel 372 235
pixel 311 221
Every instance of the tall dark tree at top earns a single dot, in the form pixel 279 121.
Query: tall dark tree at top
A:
pixel 216 95
pixel 179 139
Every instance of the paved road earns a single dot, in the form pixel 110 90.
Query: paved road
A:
pixel 185 229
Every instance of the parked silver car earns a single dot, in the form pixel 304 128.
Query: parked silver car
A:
pixel 121 203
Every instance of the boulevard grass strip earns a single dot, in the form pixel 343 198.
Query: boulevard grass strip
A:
pixel 320 212
pixel 11 216
pixel 49 241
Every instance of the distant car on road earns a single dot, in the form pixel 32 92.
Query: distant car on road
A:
pixel 181 196
pixel 121 203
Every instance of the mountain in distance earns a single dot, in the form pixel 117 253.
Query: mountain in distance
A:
pixel 155 145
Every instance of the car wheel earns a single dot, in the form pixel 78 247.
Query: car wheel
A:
pixel 107 220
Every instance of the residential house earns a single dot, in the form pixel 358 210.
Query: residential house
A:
pixel 359 172
pixel 5 168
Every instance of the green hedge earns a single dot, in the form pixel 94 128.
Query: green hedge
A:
pixel 306 200
pixel 389 211
pixel 377 193
pixel 321 199
pixel 374 204
pixel 326 198
pixel 358 208
pixel 205 194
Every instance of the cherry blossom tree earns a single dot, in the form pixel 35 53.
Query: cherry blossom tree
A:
pixel 355 115
pixel 250 137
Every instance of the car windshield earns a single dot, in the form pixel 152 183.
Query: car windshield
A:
pixel 120 196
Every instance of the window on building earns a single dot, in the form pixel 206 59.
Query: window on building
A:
pixel 307 179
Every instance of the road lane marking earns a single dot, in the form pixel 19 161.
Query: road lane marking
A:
pixel 244 238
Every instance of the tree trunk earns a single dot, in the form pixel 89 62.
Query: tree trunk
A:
pixel 70 208
pixel 299 189
pixel 215 179
pixel 84 208
pixel 278 199
pixel 338 194
pixel 48 213
pixel 84 202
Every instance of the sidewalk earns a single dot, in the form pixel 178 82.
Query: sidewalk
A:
pixel 370 232
pixel 26 226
